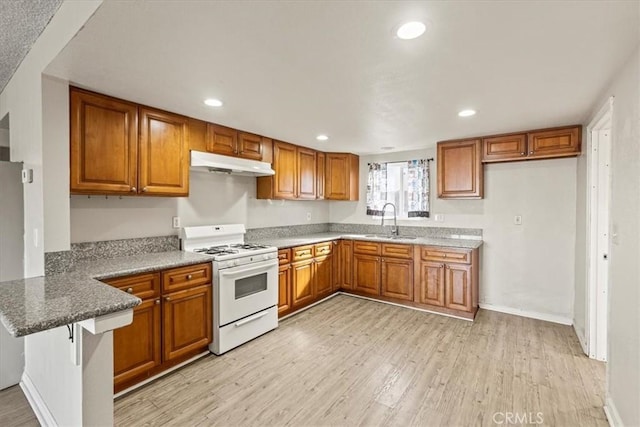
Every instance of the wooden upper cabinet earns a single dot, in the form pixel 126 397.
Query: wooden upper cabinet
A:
pixel 320 167
pixel 164 153
pixel 505 147
pixel 460 172
pixel 197 135
pixel 222 140
pixel 104 144
pixel 342 176
pixel 250 146
pixel 558 142
pixel 284 164
pixel 306 173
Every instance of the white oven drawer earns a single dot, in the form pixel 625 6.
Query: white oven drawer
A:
pixel 245 290
pixel 243 330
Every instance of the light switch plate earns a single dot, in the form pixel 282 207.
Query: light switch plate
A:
pixel 517 220
pixel 176 222
pixel 439 218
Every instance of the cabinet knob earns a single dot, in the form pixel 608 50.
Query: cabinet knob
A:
pixel 189 276
pixel 530 152
pixel 445 255
pixel 134 189
pixel 129 290
pixel 144 189
pixel 522 154
pixel 167 298
pixel 157 301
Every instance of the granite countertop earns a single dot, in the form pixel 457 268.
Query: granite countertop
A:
pixel 287 242
pixel 32 305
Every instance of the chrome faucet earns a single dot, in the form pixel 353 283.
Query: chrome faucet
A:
pixel 394 229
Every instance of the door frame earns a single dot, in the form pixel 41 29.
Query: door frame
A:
pixel 597 305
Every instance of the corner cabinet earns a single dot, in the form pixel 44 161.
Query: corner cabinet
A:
pixel 460 172
pixel 118 147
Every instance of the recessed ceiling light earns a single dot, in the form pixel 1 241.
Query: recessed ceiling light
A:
pixel 411 30
pixel 322 137
pixel 388 147
pixel 212 102
pixel 467 113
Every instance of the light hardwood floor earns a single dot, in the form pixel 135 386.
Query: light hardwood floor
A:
pixel 350 361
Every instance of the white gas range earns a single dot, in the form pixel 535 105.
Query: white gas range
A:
pixel 245 283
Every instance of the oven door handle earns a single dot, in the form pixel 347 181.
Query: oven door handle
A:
pixel 251 318
pixel 241 270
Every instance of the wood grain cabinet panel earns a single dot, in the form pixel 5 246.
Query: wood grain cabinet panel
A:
pixel 460 172
pixel 437 253
pixel 558 142
pixel 397 278
pixel 397 251
pixel 323 276
pixel 504 147
pixel 324 248
pixel 103 143
pixel 186 277
pixel 366 248
pixel 320 168
pixel 307 164
pixel 366 274
pixel 346 264
pixel 303 286
pixel 143 286
pixel 458 287
pixel 137 347
pixel 284 289
pixel 197 135
pixel 250 146
pixel 337 266
pixel 284 256
pixel 342 176
pixel 222 140
pixel 431 286
pixel 164 153
pixel 188 322
pixel 285 182
pixel 302 252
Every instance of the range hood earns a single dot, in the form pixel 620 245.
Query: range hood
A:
pixel 209 162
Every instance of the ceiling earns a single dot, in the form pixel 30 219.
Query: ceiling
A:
pixel 21 22
pixel 292 70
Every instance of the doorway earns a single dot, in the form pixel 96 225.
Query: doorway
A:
pixel 599 234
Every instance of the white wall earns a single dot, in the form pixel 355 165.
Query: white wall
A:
pixel 55 167
pixel 623 367
pixel 4 137
pixel 213 199
pixel 527 269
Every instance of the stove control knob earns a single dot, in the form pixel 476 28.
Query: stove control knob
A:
pixel 265 256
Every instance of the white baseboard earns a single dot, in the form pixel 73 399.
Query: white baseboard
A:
pixel 45 417
pixel 530 314
pixel 612 414
pixel 582 339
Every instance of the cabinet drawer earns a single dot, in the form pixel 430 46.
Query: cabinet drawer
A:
pixel 323 248
pixel 141 285
pixel 397 251
pixel 303 252
pixel 446 254
pixel 186 277
pixel 367 248
pixel 284 256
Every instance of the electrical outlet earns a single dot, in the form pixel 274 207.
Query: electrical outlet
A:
pixel 308 216
pixel 517 220
pixel 439 218
pixel 176 222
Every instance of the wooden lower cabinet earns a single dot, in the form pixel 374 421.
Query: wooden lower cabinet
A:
pixel 366 274
pixel 458 295
pixel 346 264
pixel 302 283
pixel 397 278
pixel 138 347
pixel 188 321
pixel 430 284
pixel 284 289
pixel 323 267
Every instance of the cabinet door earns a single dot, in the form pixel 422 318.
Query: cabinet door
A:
pixel 164 153
pixel 284 163
pixel 222 140
pixel 307 164
pixel 337 265
pixel 346 264
pixel 250 146
pixel 561 142
pixel 504 148
pixel 188 321
pixel 137 346
pixel 460 172
pixel 366 274
pixel 458 287
pixel 302 277
pixel 320 175
pixel 284 289
pixel 430 289
pixel 104 144
pixel 337 176
pixel 397 278
pixel 323 276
